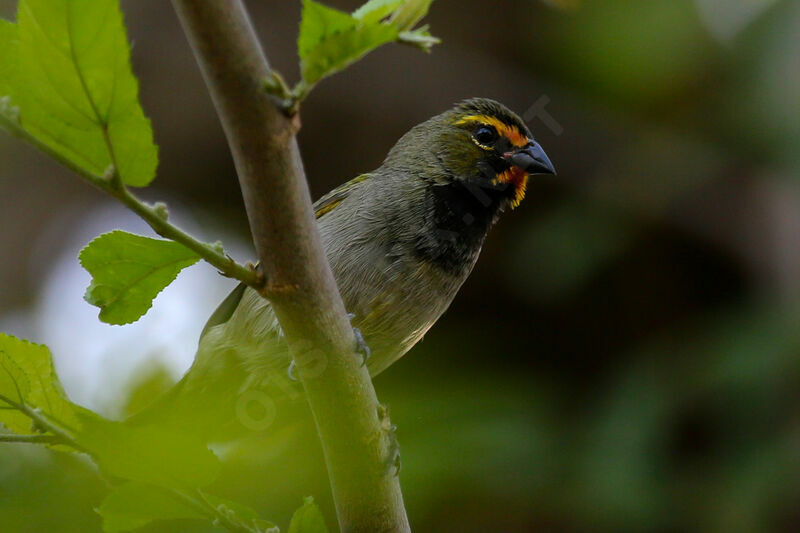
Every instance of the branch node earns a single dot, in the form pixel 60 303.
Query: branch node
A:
pixel 160 209
pixel 217 248
pixel 285 98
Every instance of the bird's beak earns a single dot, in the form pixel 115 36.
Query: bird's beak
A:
pixel 532 159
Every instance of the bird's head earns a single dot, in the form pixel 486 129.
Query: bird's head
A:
pixel 478 142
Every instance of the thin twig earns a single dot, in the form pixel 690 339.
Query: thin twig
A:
pixel 153 215
pixel 31 439
pixel 213 254
pixel 200 503
pixel 41 421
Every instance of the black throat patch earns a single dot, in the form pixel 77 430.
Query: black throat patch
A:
pixel 461 213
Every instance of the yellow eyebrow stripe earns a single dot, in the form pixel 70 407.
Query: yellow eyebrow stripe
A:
pixel 512 133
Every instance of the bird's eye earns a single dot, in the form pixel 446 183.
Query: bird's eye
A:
pixel 486 135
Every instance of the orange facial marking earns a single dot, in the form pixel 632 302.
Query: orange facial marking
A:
pixel 512 133
pixel 519 179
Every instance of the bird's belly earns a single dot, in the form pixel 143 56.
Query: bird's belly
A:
pixel 394 299
pixel 394 307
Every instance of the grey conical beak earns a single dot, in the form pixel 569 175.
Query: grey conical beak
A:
pixel 532 159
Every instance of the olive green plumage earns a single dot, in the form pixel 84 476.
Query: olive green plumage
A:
pixel 400 240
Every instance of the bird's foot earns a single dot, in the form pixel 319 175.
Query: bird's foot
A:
pixel 393 453
pixel 361 348
pixel 361 345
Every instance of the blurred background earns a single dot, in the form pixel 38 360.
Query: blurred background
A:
pixel 626 354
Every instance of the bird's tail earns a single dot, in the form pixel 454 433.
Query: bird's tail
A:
pixel 159 411
pixel 218 408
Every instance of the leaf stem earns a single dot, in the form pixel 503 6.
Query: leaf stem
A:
pixel 59 434
pixel 154 215
pixel 212 253
pixel 31 439
pixel 200 504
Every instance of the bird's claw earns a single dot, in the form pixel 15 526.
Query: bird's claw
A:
pixel 393 449
pixel 361 345
pixel 361 348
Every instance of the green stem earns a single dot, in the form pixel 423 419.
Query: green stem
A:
pixel 199 503
pixel 31 439
pixel 213 254
pixel 197 500
pixel 58 435
pixel 222 518
pixel 111 183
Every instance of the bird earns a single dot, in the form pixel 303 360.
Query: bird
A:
pixel 400 240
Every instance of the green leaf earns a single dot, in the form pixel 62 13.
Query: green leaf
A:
pixel 330 40
pixel 411 13
pixel 376 10
pixel 128 271
pixel 308 519
pixel 147 454
pixel 14 387
pixel 75 88
pixel 8 55
pixel 27 377
pixel 342 49
pixel 133 505
pixel 318 23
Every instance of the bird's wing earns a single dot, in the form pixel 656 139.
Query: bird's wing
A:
pixel 324 205
pixel 225 309
pixel 330 201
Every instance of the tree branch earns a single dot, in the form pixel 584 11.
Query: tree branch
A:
pixel 299 282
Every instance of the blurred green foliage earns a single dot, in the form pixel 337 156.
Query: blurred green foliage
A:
pixel 626 356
